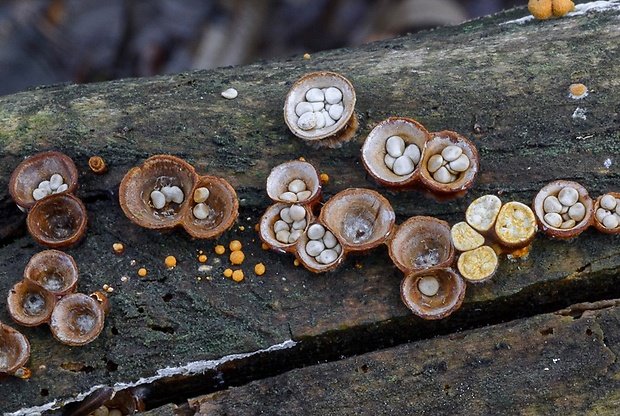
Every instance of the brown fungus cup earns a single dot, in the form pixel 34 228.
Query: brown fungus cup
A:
pixel 319 109
pixel 607 213
pixel 42 175
pixel 77 319
pixel 449 164
pixel 213 208
pixel 57 220
pixel 563 209
pixel 54 270
pixel 392 151
pixel 361 219
pixel 14 352
pixel 433 293
pixel 29 303
pixel 282 224
pixel 421 243
pixel 157 194
pixel 294 182
pixel 318 249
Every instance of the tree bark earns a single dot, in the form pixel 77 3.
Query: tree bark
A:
pixel 501 83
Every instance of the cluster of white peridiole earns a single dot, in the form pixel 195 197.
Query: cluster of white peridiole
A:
pixel 564 211
pixel 297 191
pixel 447 165
pixel 160 197
pixel 56 184
pixel 400 158
pixel 608 212
pixel 322 244
pixel 291 224
pixel 201 210
pixel 323 107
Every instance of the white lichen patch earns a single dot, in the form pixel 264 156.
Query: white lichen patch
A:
pixel 579 114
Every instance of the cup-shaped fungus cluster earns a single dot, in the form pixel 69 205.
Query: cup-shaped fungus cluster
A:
pixel 491 227
pixel 607 213
pixel 353 220
pixel 319 109
pixel 44 185
pixel 422 249
pixel 47 294
pixel 14 352
pixel 400 153
pixel 166 192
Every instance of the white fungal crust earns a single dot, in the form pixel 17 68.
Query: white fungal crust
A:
pixel 515 225
pixel 482 212
pixel 465 238
pixel 477 265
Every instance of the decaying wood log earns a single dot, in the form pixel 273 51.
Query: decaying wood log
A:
pixel 500 82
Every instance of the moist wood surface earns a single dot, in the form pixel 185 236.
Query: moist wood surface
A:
pixel 502 85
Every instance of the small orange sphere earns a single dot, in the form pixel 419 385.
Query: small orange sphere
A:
pixel 237 275
pixel 296 262
pixel 578 90
pixel 237 257
pixel 264 246
pixel 171 261
pixel 228 273
pixel 235 245
pixel 220 249
pixel 324 178
pixel 202 258
pixel 118 248
pixel 259 269
pixel 142 272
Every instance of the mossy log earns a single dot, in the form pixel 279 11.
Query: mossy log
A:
pixel 502 83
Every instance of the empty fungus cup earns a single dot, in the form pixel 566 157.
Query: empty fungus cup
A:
pixel 143 196
pixel 563 209
pixel 449 164
pixel 360 218
pixel 54 270
pixel 421 243
pixel 38 169
pixel 14 352
pixel 213 208
pixel 30 304
pixel 280 230
pixel 294 182
pixel 58 220
pixel 607 213
pixel 77 319
pixel 393 149
pixel 319 109
pixel 318 249
pixel 434 293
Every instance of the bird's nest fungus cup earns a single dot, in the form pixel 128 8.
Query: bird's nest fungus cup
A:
pixel 361 219
pixel 318 249
pixel 14 352
pixel 166 192
pixel 294 182
pixel 30 304
pixel 433 293
pixel 392 151
pixel 77 319
pixel 42 175
pixel 282 224
pixel 57 220
pixel 54 270
pixel 607 213
pixel 563 209
pixel 319 109
pixel 400 153
pixel 213 208
pixel 421 243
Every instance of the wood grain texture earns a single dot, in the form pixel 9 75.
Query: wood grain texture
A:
pixel 502 85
